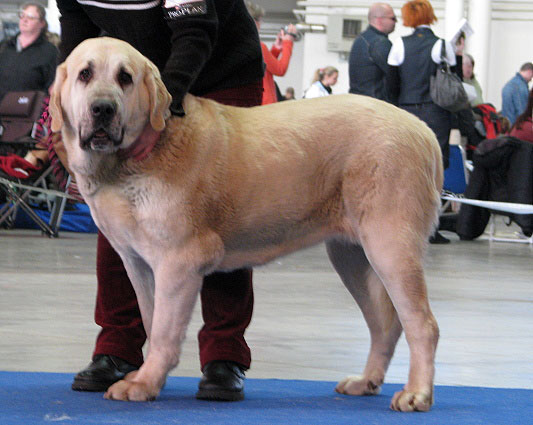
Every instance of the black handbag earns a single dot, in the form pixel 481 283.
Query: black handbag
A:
pixel 446 88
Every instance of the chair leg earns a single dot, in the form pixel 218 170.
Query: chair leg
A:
pixel 59 208
pixel 56 215
pixel 19 199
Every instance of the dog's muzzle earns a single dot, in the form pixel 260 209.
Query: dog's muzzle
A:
pixel 102 140
pixel 105 136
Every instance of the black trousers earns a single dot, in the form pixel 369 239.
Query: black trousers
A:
pixel 439 120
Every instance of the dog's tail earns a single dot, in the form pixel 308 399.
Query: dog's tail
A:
pixel 438 179
pixel 427 179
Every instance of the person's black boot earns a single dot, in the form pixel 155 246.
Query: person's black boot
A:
pixel 221 381
pixel 101 373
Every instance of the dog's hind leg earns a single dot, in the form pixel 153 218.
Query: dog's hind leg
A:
pixel 394 248
pixel 351 264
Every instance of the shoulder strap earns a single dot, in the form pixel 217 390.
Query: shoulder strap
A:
pixel 443 50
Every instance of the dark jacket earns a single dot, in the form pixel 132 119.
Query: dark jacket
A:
pixel 368 64
pixel 200 48
pixel 503 172
pixel 33 68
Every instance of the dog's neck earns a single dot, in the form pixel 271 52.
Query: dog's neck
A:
pixel 142 147
pixel 96 169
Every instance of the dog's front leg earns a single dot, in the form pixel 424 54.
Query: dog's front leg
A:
pixel 142 279
pixel 176 292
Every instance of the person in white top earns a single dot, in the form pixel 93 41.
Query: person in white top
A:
pixel 323 80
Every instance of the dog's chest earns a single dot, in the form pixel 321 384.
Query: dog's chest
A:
pixel 135 215
pixel 113 214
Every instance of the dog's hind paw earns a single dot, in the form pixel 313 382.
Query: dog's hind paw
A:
pixel 406 401
pixel 130 391
pixel 358 385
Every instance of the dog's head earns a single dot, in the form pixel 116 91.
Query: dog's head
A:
pixel 104 94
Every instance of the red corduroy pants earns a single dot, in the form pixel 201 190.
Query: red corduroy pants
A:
pixel 227 298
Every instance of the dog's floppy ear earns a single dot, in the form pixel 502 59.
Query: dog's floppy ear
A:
pixel 55 99
pixel 159 97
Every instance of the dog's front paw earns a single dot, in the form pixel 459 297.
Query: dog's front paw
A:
pixel 407 401
pixel 131 391
pixel 358 385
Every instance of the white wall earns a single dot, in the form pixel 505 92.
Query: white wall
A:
pixel 52 16
pixel 510 47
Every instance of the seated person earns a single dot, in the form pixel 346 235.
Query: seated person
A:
pixel 470 79
pixel 28 60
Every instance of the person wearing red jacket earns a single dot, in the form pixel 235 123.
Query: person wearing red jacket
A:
pixel 275 65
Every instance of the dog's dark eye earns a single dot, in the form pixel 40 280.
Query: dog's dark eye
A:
pixel 124 78
pixel 85 75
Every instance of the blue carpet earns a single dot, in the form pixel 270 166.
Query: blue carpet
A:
pixel 44 398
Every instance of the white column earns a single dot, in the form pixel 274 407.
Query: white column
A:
pixel 453 13
pixel 52 16
pixel 479 17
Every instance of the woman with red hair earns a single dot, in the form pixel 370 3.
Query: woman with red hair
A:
pixel 412 61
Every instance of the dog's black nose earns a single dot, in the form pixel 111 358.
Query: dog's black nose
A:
pixel 103 111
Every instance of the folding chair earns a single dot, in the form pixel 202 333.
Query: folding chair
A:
pixel 19 115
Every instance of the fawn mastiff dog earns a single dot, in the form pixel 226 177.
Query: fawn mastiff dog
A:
pixel 227 187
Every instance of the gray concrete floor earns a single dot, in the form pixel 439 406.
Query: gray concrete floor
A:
pixel 305 324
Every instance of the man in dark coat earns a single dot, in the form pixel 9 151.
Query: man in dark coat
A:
pixel 368 57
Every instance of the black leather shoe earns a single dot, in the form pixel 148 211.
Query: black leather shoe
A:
pixel 222 381
pixel 101 373
pixel 438 239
